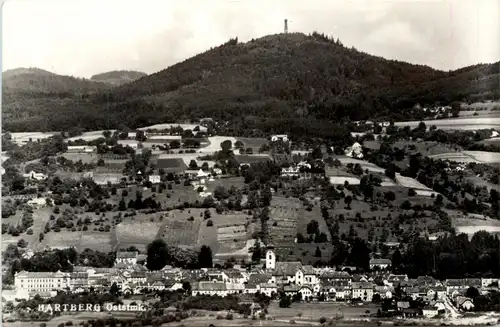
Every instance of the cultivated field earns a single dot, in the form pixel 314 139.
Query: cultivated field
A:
pixel 250 159
pixel 88 136
pixel 167 126
pixel 458 123
pixel 364 164
pixel 186 157
pixel 215 142
pixel 25 137
pixel 95 240
pixel 470 156
pixel 86 158
pixel 253 142
pixel 409 182
pixel 285 213
pixel 337 180
pixel 138 232
pixel 454 156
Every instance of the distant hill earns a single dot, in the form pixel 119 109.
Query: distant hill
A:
pixel 118 77
pixel 268 82
pixel 35 80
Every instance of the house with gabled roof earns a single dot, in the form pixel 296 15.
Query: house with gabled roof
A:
pixel 380 264
pixel 464 303
pixel 289 272
pixel 126 257
pixel 362 291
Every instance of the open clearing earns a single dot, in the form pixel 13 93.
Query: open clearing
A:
pixel 215 142
pixel 458 123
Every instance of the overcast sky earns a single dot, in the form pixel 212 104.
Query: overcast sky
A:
pixel 85 37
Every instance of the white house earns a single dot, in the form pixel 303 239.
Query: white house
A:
pixel 155 179
pixel 290 171
pixel 36 176
pixel 429 311
pixel 355 151
pixel 129 258
pixel 362 290
pixel 41 282
pixel 39 202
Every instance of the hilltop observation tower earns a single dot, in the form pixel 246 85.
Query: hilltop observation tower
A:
pixel 286 26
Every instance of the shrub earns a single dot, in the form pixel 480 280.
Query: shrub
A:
pixel 292 322
pixel 210 223
pixel 322 320
pixel 69 323
pixel 229 316
pixel 219 317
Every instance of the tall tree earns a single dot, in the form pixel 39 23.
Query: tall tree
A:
pixel 157 255
pixel 205 257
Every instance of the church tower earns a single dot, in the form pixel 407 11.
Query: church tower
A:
pixel 270 258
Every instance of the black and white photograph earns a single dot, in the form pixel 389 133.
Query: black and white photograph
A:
pixel 219 163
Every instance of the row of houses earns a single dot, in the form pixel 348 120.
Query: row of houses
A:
pixel 291 278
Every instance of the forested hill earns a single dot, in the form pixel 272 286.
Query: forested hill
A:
pixel 276 77
pixel 118 77
pixel 36 81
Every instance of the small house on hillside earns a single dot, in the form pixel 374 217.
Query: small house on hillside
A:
pixel 35 176
pixel 355 151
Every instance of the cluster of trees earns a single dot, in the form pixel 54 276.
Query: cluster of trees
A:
pixel 159 255
pixel 454 256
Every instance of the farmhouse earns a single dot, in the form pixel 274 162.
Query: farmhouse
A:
pixel 82 149
pixel 35 176
pixel 379 264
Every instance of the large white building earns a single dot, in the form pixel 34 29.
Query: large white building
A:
pixel 41 282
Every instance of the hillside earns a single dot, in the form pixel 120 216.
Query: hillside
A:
pixel 118 77
pixel 35 80
pixel 273 79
